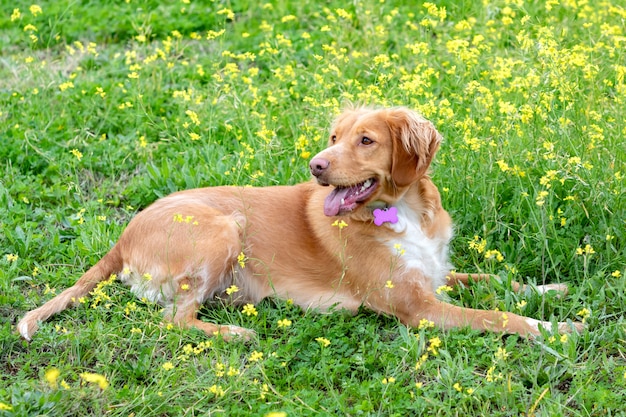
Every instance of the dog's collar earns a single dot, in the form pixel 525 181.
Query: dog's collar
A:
pixel 383 213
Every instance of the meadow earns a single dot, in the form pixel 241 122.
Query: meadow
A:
pixel 107 106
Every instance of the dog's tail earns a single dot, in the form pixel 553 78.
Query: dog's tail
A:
pixel 109 264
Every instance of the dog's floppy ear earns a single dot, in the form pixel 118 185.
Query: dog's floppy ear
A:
pixel 415 142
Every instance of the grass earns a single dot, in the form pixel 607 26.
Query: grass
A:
pixel 106 106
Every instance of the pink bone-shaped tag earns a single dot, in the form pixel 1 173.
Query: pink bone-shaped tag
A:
pixel 385 215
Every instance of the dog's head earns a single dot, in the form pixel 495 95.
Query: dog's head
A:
pixel 374 154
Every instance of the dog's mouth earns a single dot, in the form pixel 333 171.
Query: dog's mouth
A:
pixel 345 199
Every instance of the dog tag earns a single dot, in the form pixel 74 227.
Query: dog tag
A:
pixel 385 215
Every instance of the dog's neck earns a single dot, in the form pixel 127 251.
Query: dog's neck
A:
pixel 378 204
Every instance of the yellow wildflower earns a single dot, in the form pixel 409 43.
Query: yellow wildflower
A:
pixel 51 377
pixel 340 224
pixel 78 154
pixel 98 379
pixel 584 313
pixel 323 341
pixel 232 289
pixel 250 310
pixel 587 250
pixel 35 9
pixel 15 15
pixel 434 344
pixel 443 288
pixel 241 259
pixel 284 323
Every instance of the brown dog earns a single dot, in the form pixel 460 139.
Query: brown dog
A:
pixel 375 236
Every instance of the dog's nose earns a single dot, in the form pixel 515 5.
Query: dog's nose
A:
pixel 318 166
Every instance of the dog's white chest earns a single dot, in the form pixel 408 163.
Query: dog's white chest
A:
pixel 418 251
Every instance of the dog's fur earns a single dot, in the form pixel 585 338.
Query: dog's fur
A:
pixel 185 249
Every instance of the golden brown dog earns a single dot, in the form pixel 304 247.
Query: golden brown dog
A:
pixel 370 231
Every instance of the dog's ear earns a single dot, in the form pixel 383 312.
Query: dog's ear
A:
pixel 415 142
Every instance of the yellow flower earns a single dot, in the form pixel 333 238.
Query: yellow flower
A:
pixel 505 319
pixel 587 250
pixel 501 354
pixel 616 274
pixel 217 390
pixel 51 377
pixel 35 9
pixel 64 86
pixel 15 15
pixel 78 154
pixel 147 276
pixel 425 324
pixel 340 224
pixel 250 310
pixel 193 116
pixel 184 287
pixel 3 406
pixel 168 366
pixel 434 344
pixel 230 15
pixel 494 253
pixel 443 288
pixel 98 379
pixel 194 136
pixel 491 376
pixel 389 284
pixel 399 250
pixel 241 259
pixel 323 341
pixel 232 289
pixel 584 313
pixel 457 387
pixel 388 380
pixel 478 244
pixel 284 323
pixel 421 361
pixel 255 356
pixel 12 257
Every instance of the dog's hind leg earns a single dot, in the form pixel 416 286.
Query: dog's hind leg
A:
pixel 185 316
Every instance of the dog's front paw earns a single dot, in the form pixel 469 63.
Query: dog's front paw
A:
pixel 562 289
pixel 231 332
pixel 572 326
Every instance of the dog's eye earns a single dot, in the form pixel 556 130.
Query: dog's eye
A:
pixel 333 138
pixel 366 141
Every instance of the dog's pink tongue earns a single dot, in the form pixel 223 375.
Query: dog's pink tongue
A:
pixel 332 204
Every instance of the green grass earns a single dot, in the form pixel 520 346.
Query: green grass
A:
pixel 100 103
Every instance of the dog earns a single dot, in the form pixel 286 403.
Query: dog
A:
pixel 368 230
